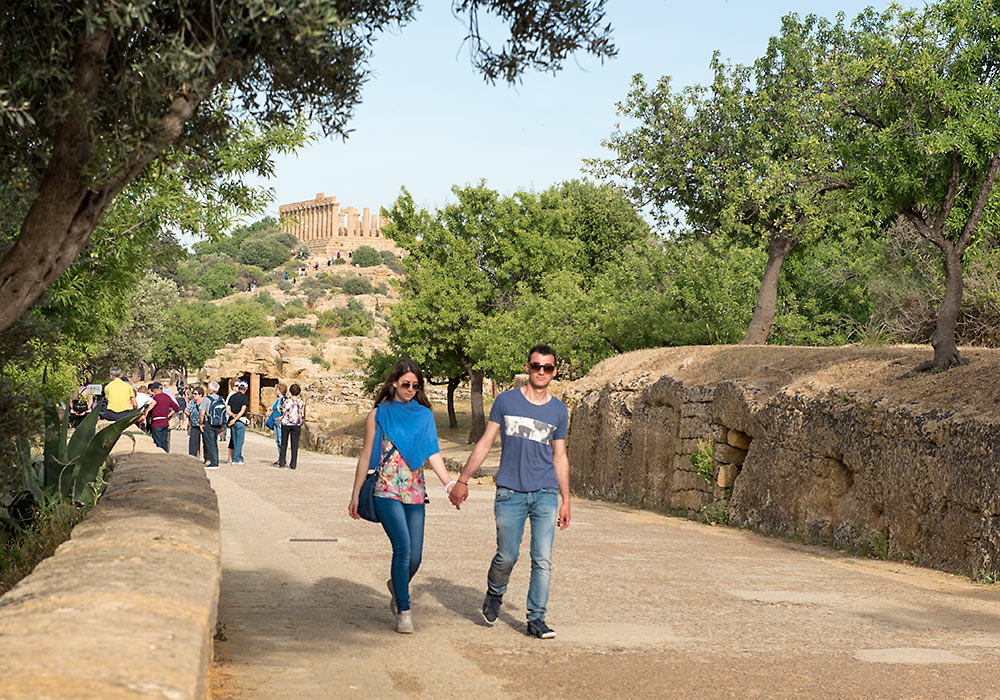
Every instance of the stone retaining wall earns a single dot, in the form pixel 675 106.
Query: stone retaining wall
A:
pixel 858 470
pixel 127 607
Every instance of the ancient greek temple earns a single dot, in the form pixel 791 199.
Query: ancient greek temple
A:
pixel 328 228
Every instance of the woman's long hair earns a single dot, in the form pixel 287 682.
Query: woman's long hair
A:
pixel 388 392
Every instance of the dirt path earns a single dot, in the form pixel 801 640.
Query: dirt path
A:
pixel 644 606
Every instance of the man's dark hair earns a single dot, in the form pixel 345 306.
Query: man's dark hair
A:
pixel 542 349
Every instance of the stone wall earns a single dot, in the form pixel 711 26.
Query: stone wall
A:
pixel 859 457
pixel 126 608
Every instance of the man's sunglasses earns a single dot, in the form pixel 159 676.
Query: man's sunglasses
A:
pixel 536 366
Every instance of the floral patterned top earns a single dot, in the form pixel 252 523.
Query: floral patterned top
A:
pixel 395 480
pixel 293 411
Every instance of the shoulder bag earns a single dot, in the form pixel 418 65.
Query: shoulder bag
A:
pixel 366 499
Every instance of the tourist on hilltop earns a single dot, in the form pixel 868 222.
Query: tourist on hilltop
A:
pixel 237 408
pixel 193 411
pixel 120 396
pixel 275 418
pixel 533 475
pixel 161 407
pixel 293 415
pixel 211 417
pixel 400 436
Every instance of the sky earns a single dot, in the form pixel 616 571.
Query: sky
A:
pixel 428 121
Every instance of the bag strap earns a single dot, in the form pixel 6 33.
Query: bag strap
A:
pixel 385 459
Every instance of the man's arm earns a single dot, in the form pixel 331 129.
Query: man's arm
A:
pixel 460 491
pixel 560 460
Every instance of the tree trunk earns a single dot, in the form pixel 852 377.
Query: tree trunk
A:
pixel 778 248
pixel 944 344
pixel 478 418
pixel 453 383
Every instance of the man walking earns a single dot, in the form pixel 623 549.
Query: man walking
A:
pixel 161 407
pixel 532 478
pixel 212 411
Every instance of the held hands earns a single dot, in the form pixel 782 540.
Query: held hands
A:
pixel 459 492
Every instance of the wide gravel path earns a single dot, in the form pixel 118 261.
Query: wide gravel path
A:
pixel 644 606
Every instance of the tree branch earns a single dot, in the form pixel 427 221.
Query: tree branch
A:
pixel 980 206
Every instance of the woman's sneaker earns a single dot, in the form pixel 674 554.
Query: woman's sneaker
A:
pixel 491 607
pixel 538 628
pixel 404 622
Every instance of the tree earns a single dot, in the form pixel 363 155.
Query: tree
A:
pixel 919 93
pixel 751 157
pixel 366 256
pixel 97 95
pixel 477 268
pixel 266 252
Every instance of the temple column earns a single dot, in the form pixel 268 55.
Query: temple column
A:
pixel 336 220
pixel 366 222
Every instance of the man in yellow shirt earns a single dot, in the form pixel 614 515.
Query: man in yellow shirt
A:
pixel 120 396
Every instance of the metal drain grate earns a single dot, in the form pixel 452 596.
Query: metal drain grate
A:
pixel 313 539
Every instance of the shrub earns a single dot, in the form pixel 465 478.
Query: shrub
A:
pixel 704 460
pixel 299 330
pixel 217 281
pixel 366 256
pixel 317 359
pixel 390 260
pixel 350 320
pixel 357 285
pixel 302 253
pixel 266 252
pixel 284 285
pixel 265 300
pixel 340 261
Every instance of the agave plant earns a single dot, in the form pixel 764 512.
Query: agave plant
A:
pixel 69 469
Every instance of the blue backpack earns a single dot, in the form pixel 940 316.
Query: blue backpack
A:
pixel 216 412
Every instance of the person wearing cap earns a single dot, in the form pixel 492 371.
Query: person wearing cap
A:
pixel 237 408
pixel 161 407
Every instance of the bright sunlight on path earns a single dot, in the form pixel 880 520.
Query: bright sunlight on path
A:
pixel 644 606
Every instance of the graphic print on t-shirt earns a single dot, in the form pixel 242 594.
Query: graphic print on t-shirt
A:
pixel 529 429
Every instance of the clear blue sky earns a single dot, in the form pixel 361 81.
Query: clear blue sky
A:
pixel 427 121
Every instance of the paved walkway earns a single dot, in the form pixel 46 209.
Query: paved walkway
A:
pixel 644 606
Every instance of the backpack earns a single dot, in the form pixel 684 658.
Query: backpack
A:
pixel 217 412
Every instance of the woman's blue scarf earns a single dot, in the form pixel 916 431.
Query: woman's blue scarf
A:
pixel 408 426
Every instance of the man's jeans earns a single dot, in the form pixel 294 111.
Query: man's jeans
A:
pixel 161 437
pixel 239 435
pixel 511 509
pixel 210 441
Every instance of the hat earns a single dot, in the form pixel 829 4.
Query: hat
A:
pixel 242 384
pixel 155 385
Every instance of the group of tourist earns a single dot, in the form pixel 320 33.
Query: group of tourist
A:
pixel 532 482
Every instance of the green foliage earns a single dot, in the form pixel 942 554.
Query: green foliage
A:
pixel 990 578
pixel 715 513
pixel 299 330
pixel 355 285
pixel 350 320
pixel 366 256
pixel 194 331
pixel 375 367
pixel 266 301
pixel 265 252
pixel 390 260
pixel 302 253
pixel 317 359
pixel 217 281
pixel 340 261
pixel 703 460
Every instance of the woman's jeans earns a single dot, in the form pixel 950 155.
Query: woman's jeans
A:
pixel 511 509
pixel 404 524
pixel 277 436
pixel 239 435
pixel 289 434
pixel 194 441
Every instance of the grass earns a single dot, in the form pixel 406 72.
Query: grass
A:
pixel 24 550
pixel 704 460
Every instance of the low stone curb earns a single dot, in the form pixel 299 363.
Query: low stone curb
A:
pixel 127 607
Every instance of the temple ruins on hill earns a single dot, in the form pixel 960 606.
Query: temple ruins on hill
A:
pixel 327 228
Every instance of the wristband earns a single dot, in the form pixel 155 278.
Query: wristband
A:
pixel 463 483
pixel 447 488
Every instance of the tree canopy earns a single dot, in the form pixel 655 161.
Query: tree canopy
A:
pixel 93 96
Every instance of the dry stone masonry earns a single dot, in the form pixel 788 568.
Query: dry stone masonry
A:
pixel 830 446
pixel 326 228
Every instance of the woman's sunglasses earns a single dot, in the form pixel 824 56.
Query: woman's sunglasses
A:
pixel 409 385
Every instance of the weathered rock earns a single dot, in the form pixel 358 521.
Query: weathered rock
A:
pixel 738 440
pixel 727 454
pixel 727 475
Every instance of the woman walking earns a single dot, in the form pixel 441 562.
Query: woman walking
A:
pixel 194 424
pixel 293 415
pixel 275 418
pixel 400 436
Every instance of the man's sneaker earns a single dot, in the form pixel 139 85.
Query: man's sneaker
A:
pixel 392 596
pixel 538 628
pixel 404 622
pixel 491 607
pixel 211 466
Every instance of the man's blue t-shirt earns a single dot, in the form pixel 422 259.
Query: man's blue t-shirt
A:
pixel 526 435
